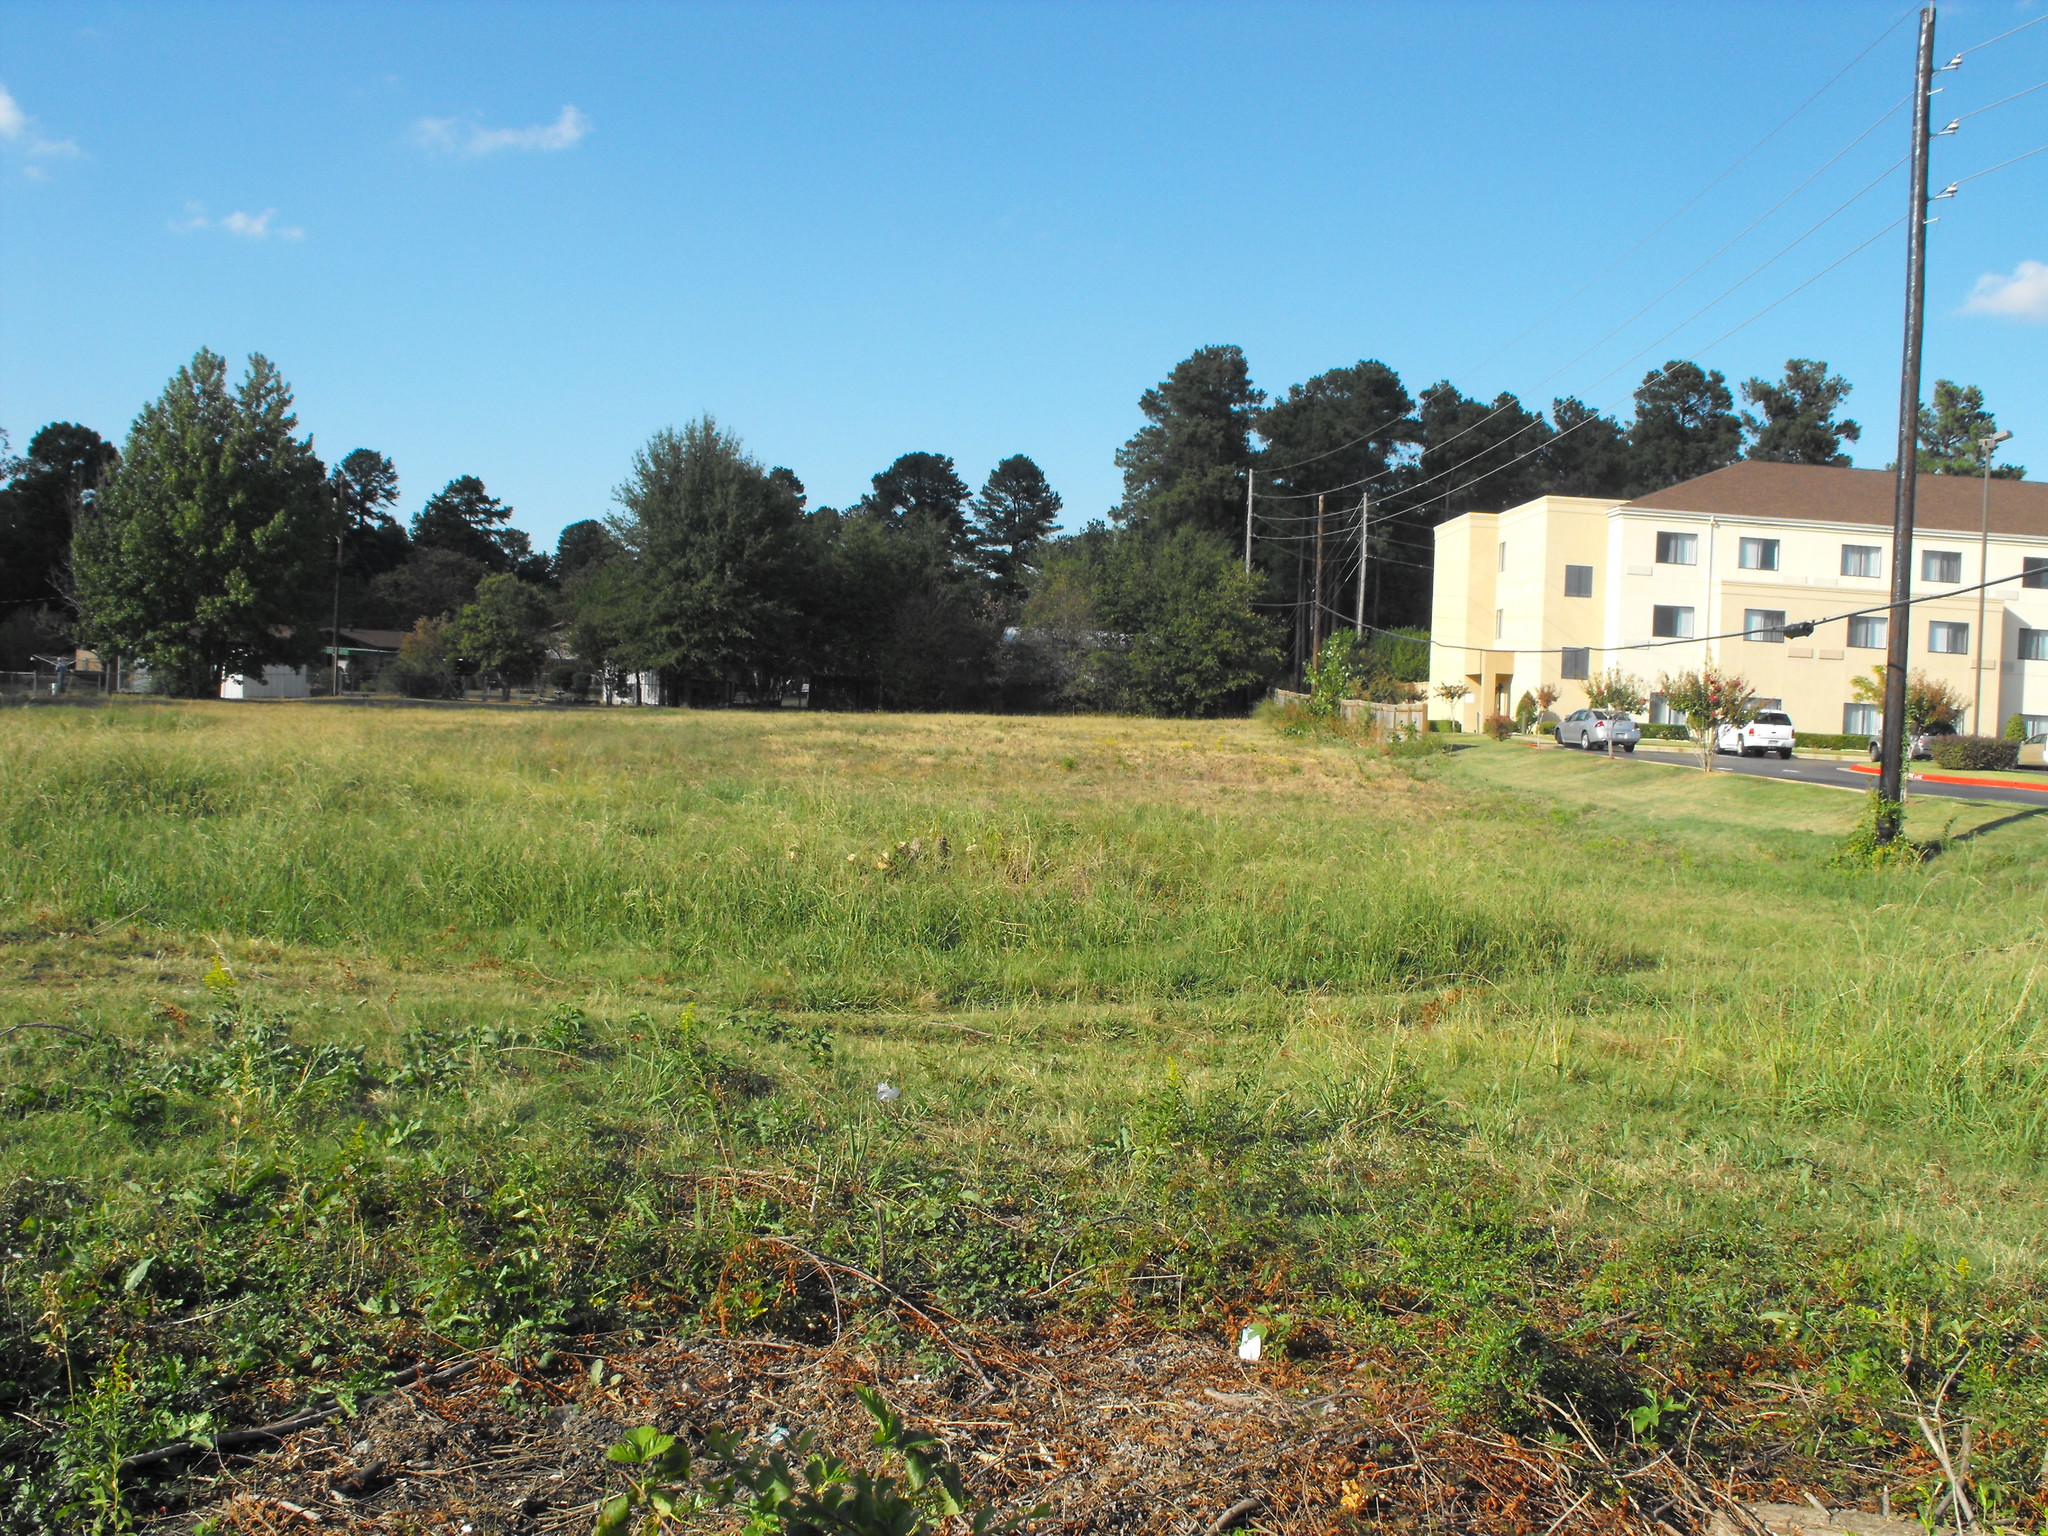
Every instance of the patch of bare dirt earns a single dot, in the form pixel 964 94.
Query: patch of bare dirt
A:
pixel 1129 1430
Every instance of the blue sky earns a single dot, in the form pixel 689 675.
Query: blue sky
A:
pixel 513 240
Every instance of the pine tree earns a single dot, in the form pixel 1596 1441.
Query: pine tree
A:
pixel 205 554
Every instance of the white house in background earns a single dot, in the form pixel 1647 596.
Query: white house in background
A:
pixel 278 683
pixel 1561 588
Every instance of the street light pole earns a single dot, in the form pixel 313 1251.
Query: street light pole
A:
pixel 1984 447
pixel 1891 768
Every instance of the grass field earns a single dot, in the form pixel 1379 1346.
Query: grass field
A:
pixel 358 1036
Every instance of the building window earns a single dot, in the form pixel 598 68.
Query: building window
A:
pixel 1946 639
pixel 1862 560
pixel 1943 565
pixel 1860 719
pixel 1503 554
pixel 2034 645
pixel 1660 710
pixel 1867 631
pixel 2036 570
pixel 1766 624
pixel 1758 554
pixel 1678 549
pixel 1668 623
pixel 1500 622
pixel 2033 725
pixel 1578 662
pixel 1578 581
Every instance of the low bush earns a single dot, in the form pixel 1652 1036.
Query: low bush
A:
pixel 1666 733
pixel 2016 728
pixel 1500 727
pixel 1546 728
pixel 1975 752
pixel 1825 741
pixel 1446 725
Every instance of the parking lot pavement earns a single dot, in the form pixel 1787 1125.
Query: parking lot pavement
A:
pixel 1837 775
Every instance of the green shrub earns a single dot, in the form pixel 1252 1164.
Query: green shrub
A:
pixel 1826 741
pixel 1500 727
pixel 2016 728
pixel 1546 728
pixel 1669 732
pixel 1975 752
pixel 1446 725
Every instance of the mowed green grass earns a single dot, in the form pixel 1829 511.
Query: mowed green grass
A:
pixel 392 1030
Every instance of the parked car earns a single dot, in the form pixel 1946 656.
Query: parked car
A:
pixel 2034 751
pixel 1586 728
pixel 1770 731
pixel 1919 744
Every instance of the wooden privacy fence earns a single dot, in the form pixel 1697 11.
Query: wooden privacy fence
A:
pixel 1387 717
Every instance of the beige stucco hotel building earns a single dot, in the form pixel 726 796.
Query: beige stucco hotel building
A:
pixel 1554 590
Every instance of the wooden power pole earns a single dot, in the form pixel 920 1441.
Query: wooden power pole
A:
pixel 1891 767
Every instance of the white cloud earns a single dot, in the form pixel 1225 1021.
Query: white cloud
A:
pixel 257 226
pixel 454 136
pixel 250 226
pixel 18 128
pixel 2022 296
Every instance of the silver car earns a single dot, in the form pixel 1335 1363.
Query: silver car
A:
pixel 1588 728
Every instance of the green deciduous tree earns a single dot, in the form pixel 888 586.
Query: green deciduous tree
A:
pixel 504 632
pixel 1163 618
pixel 713 541
pixel 1013 514
pixel 206 552
pixel 1796 422
pixel 1951 429
pixel 1685 426
pixel 582 545
pixel 1186 467
pixel 46 495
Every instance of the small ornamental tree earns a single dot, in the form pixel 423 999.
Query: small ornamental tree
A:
pixel 1615 689
pixel 1453 694
pixel 1929 701
pixel 1546 695
pixel 1709 699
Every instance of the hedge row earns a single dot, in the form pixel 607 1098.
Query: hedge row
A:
pixel 1975 752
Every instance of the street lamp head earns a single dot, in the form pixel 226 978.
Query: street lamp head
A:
pixel 1991 442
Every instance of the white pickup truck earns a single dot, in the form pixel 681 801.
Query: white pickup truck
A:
pixel 1770 731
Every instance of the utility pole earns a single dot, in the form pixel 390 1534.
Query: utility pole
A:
pixel 1891 768
pixel 1315 607
pixel 1984 447
pixel 1250 475
pixel 1364 507
pixel 334 633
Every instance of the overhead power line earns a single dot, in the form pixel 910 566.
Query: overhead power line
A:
pixel 1990 40
pixel 1578 293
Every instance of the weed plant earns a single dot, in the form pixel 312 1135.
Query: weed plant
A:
pixel 338 1040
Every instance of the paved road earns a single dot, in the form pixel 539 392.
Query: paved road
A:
pixel 1815 770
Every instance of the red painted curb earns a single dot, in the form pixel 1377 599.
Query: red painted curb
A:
pixel 1951 778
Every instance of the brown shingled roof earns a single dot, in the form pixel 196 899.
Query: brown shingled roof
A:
pixel 1753 488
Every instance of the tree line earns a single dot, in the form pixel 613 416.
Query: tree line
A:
pixel 214 541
